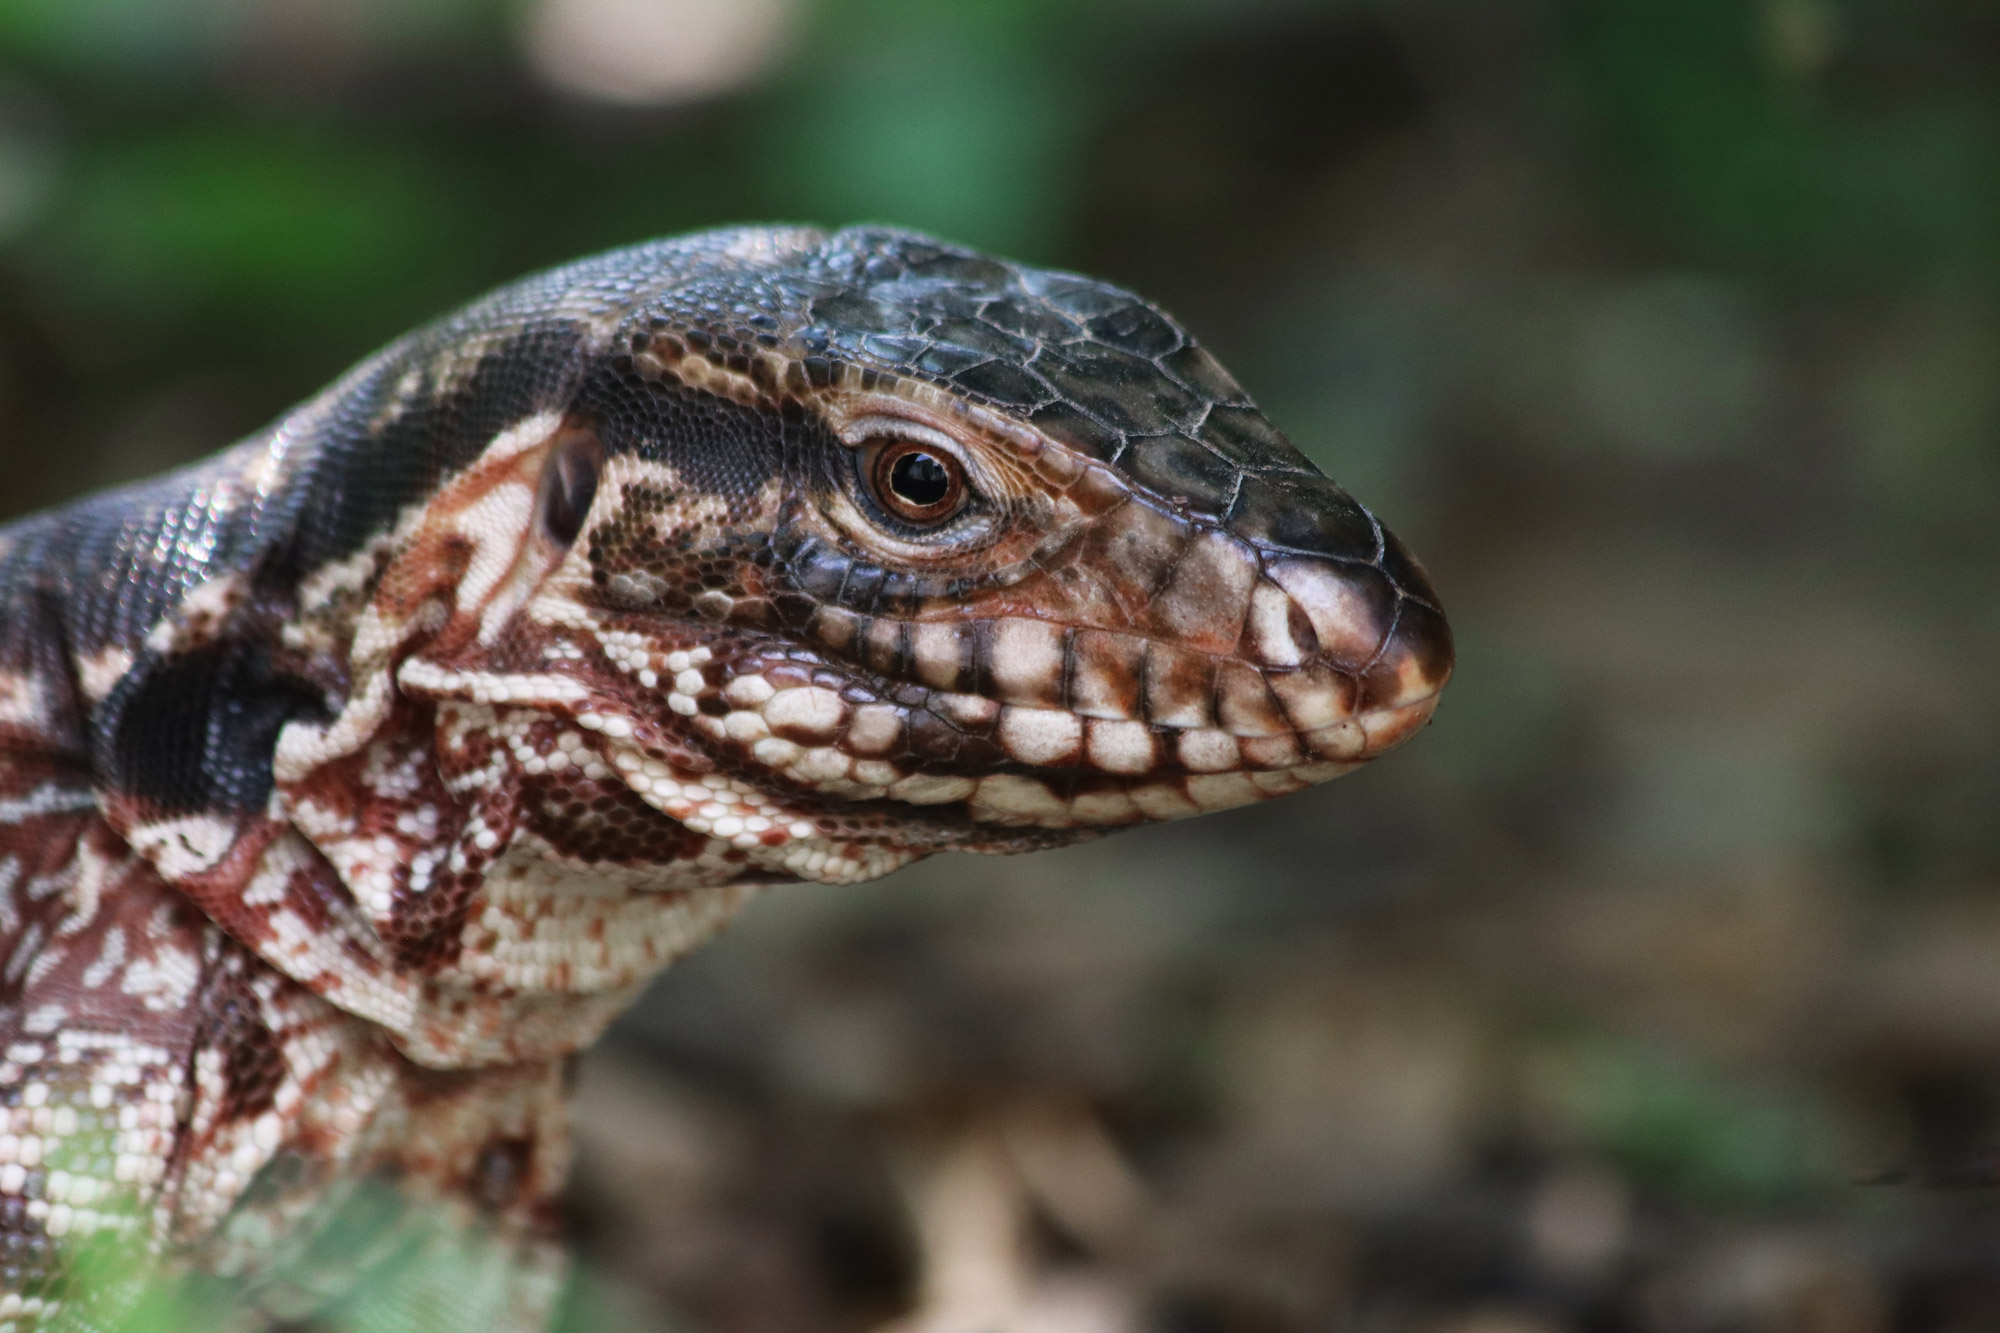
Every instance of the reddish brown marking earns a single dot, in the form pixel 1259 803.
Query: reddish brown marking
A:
pixel 253 1063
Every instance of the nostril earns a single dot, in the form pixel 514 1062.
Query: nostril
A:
pixel 1279 633
pixel 1301 628
pixel 1349 608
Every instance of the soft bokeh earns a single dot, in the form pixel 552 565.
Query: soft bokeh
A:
pixel 1655 987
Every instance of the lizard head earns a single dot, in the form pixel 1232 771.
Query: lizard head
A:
pixel 778 554
pixel 871 546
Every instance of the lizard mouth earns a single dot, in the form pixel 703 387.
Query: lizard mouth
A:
pixel 797 764
pixel 843 830
pixel 830 821
pixel 1226 689
pixel 807 744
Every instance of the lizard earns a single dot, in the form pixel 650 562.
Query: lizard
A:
pixel 353 780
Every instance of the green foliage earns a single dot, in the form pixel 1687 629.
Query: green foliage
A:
pixel 294 220
pixel 1764 151
pixel 258 220
pixel 170 41
pixel 966 120
pixel 1686 1129
pixel 377 1263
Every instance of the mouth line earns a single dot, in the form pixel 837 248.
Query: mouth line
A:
pixel 1023 806
pixel 811 752
pixel 996 812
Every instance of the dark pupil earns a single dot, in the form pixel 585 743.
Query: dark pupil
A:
pixel 919 479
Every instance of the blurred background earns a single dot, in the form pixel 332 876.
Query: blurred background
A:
pixel 1655 987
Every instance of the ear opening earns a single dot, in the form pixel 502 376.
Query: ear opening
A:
pixel 569 484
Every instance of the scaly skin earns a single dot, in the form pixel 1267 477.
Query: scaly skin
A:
pixel 352 780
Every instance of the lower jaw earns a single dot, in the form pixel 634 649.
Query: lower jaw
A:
pixel 1015 800
pixel 1005 812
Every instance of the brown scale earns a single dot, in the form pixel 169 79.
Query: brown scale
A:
pixel 606 823
pixel 432 923
pixel 679 564
pixel 423 926
pixel 253 1061
pixel 426 938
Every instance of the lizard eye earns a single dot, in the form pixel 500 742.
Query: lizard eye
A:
pixel 916 482
pixel 569 484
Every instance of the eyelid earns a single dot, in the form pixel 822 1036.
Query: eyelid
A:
pixel 867 430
